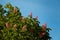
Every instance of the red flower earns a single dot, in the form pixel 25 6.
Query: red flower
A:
pixel 7 25
pixel 15 10
pixel 24 28
pixel 41 34
pixel 44 26
pixel 23 19
pixel 36 17
pixel 30 14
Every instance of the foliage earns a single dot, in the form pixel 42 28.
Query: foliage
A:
pixel 14 26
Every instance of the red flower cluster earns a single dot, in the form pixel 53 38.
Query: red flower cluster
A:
pixel 23 19
pixel 7 25
pixel 36 17
pixel 30 14
pixel 44 26
pixel 24 28
pixel 41 34
pixel 15 10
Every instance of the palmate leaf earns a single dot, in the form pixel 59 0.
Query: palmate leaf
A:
pixel 48 29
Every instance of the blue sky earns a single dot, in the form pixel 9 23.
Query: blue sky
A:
pixel 47 11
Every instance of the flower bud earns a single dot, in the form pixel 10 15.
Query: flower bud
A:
pixel 36 17
pixel 30 14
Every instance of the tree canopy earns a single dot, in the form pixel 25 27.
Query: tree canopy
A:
pixel 14 26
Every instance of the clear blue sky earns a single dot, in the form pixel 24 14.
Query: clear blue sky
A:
pixel 47 11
